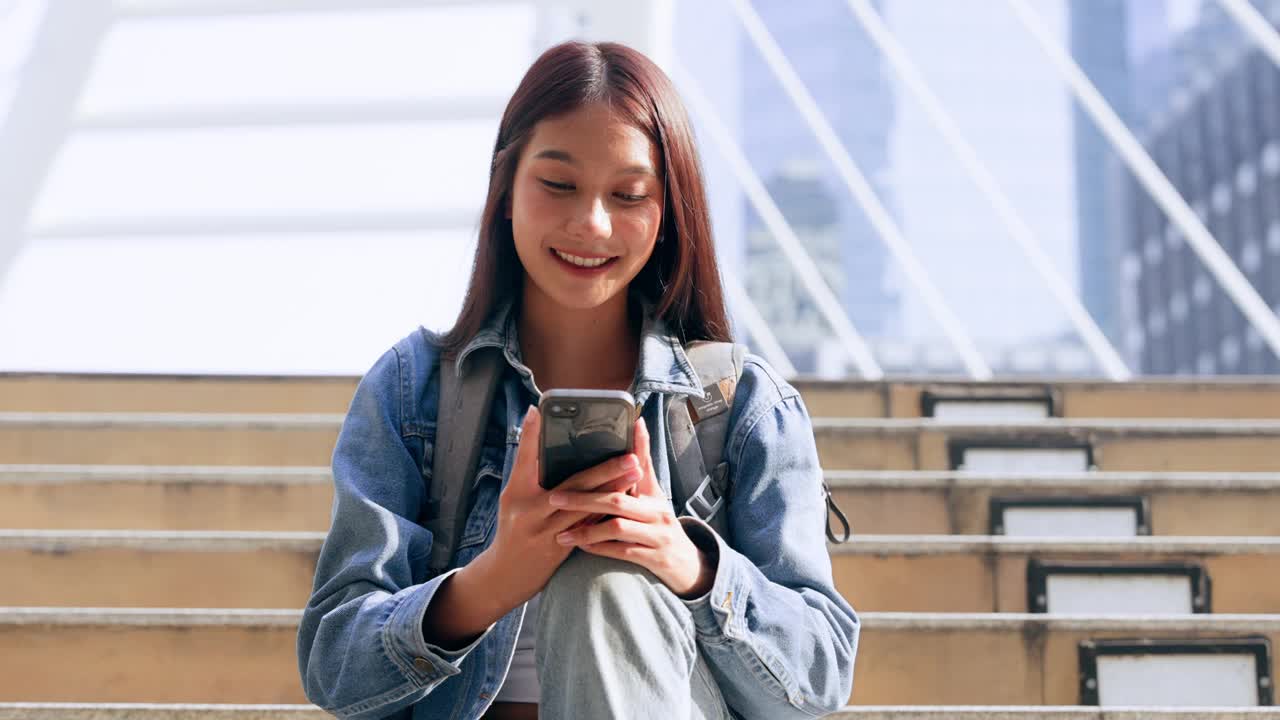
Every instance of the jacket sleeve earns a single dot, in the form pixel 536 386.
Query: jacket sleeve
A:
pixel 360 647
pixel 778 636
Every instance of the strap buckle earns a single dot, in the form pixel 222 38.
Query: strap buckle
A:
pixel 712 505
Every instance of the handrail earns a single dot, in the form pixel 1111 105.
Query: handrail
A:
pixel 861 191
pixel 1139 162
pixel 1102 349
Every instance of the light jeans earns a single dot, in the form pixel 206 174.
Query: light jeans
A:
pixel 614 642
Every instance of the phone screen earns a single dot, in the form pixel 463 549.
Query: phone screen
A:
pixel 581 429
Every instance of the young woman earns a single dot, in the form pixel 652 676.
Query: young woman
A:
pixel 595 266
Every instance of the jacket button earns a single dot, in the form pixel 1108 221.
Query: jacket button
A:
pixel 423 665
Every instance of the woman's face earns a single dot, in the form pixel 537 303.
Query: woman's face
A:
pixel 586 205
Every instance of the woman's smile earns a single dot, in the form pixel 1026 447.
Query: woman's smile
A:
pixel 583 264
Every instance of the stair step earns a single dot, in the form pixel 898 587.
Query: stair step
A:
pixel 984 574
pixel 150 655
pixel 98 392
pixel 142 497
pixel 247 656
pixel 132 568
pixel 931 573
pixel 1007 659
pixel 1114 445
pixel 843 443
pixel 1147 398
pixel 139 711
pixel 898 502
pixel 169 438
pixel 940 503
pixel 58 392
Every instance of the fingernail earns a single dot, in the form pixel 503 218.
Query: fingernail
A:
pixel 565 538
pixel 558 500
pixel 630 462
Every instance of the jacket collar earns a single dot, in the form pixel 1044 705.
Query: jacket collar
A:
pixel 663 366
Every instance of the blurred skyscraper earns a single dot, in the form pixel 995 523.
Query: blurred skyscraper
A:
pixel 843 71
pixel 1210 118
pixel 1100 40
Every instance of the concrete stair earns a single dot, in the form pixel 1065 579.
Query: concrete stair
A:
pixel 915 573
pixel 166 531
pixel 273 439
pixel 1148 398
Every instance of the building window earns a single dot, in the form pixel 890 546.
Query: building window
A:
pixel 1201 290
pixel 1205 365
pixel 1246 179
pixel 1271 158
pixel 1251 256
pixel 1230 352
pixel 1153 250
pixel 1221 198
pixel 1131 268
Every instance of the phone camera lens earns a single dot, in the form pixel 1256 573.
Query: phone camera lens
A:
pixel 555 408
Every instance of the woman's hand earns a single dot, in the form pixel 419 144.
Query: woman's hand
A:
pixel 524 553
pixel 643 530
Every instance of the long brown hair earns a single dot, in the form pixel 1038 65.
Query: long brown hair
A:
pixel 681 277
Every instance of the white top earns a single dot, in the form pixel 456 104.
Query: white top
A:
pixel 521 684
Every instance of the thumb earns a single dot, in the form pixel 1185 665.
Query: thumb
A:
pixel 648 484
pixel 525 464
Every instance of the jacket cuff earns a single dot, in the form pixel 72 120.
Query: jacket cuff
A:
pixel 402 637
pixel 714 613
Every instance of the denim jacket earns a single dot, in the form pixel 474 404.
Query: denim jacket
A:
pixel 778 638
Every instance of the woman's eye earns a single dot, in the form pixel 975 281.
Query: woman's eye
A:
pixel 565 187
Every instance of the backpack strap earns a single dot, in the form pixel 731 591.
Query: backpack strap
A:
pixel 464 407
pixel 698 433
pixel 699 428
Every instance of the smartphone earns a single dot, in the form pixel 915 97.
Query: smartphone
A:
pixel 581 429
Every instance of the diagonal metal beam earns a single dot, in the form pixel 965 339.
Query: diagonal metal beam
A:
pixel 861 191
pixel 792 249
pixel 1017 228
pixel 49 85
pixel 1139 162
pixel 757 326
pixel 1256 25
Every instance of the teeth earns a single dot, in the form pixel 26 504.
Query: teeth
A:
pixel 581 261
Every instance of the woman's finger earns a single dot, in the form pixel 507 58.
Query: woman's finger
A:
pixel 641 509
pixel 638 554
pixel 616 529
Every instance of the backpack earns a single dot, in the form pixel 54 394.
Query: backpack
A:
pixel 698 429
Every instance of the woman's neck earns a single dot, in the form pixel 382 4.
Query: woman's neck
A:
pixel 592 348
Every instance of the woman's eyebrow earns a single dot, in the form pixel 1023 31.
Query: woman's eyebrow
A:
pixel 565 157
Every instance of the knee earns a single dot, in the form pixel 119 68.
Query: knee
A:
pixel 583 576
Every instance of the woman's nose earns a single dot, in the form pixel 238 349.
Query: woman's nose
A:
pixel 593 219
